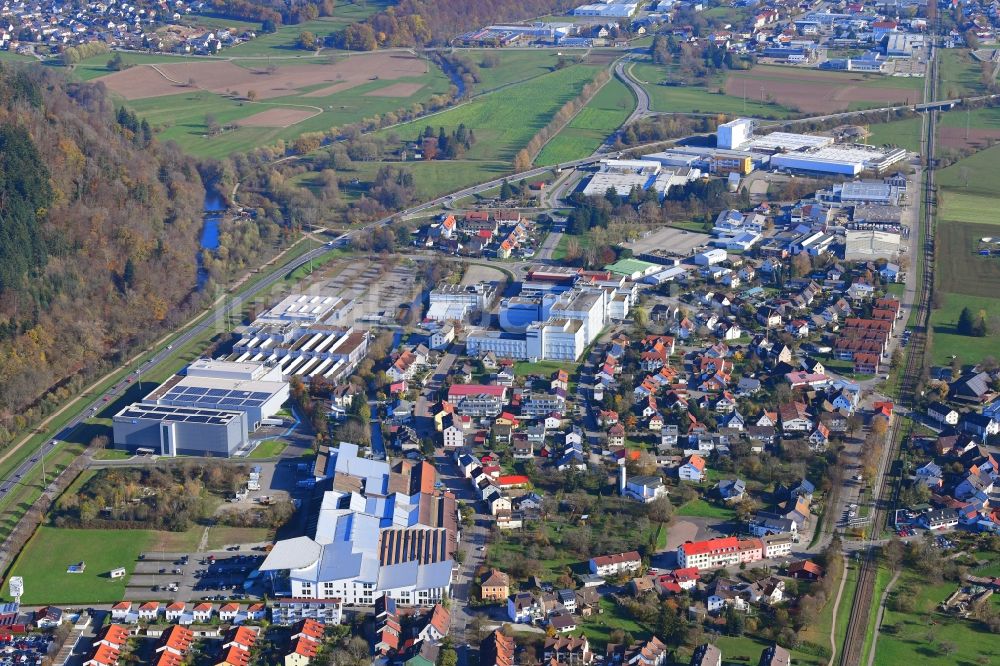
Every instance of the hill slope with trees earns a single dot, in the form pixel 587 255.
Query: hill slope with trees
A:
pixel 99 229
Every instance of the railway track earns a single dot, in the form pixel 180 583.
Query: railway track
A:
pixel 886 494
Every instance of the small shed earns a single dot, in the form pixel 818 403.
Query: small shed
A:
pixel 117 573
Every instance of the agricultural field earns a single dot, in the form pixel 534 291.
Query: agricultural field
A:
pixel 43 564
pixel 504 121
pixel 962 270
pixel 977 129
pixel 694 99
pixel 605 113
pixel 903 133
pixel 967 214
pixel 808 91
pixel 181 100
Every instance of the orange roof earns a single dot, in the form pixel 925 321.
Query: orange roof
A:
pixel 150 605
pixel 235 656
pixel 177 606
pixel 441 619
pixel 177 638
pixel 698 462
pixel 122 605
pixel 168 658
pixel 205 606
pixel 310 629
pixel 244 636
pixel 304 647
pixel 710 546
pixel 115 634
pixel 104 654
pixel 230 608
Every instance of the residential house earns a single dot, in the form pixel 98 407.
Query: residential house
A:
pixel 494 585
pixel 692 470
pixel 619 563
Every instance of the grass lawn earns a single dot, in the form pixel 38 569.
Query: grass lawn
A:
pixel 987 117
pixel 747 649
pixel 220 537
pixel 977 177
pixel 819 631
pixel 430 179
pixel 512 66
pixel 112 454
pixel 43 564
pixel 959 74
pixel 846 603
pixel 695 99
pixel 598 628
pixel 544 368
pixel 13 56
pixel 561 249
pixel 903 133
pixel 882 578
pixel 268 449
pixel 504 121
pixel 93 67
pixel 914 637
pixel 699 508
pixel 947 342
pixel 609 108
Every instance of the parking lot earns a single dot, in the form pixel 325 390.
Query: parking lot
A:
pixel 673 239
pixel 29 649
pixel 182 577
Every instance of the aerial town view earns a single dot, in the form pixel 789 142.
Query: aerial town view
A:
pixel 496 333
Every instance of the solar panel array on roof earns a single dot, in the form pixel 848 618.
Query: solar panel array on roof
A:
pixel 180 414
pixel 206 397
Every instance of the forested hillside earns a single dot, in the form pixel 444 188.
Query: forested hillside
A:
pixel 98 237
pixel 421 22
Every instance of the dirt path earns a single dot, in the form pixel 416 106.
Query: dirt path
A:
pixel 833 624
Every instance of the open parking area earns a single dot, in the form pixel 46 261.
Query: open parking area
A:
pixel 671 239
pixel 182 577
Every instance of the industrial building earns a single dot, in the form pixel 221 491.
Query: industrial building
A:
pixel 381 530
pixel 863 244
pixel 734 134
pixel 456 302
pixel 208 411
pixel 306 309
pixel 226 385
pixel 607 9
pixel 840 160
pixel 786 142
pixel 564 323
pixel 170 431
pixel 305 351
pixel 623 176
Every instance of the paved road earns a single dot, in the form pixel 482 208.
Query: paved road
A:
pixel 641 96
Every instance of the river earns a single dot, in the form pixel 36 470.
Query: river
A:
pixel 215 206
